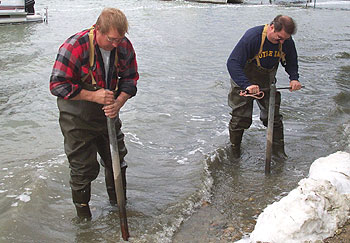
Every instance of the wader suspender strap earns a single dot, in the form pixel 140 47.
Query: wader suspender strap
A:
pixel 263 37
pixel 92 57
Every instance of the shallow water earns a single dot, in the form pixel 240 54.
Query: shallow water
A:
pixel 175 128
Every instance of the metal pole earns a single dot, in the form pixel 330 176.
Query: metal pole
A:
pixel 267 89
pixel 46 15
pixel 270 128
pixel 117 177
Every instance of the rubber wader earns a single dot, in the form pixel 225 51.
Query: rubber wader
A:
pixel 278 134
pixel 242 110
pixel 111 186
pixel 236 138
pixel 278 143
pixel 242 107
pixel 84 128
pixel 81 200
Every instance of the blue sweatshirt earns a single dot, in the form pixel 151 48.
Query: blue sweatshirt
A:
pixel 249 45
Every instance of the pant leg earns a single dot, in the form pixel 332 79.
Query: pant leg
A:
pixel 241 117
pixel 278 133
pixel 82 155
pixel 81 152
pixel 81 123
pixel 242 109
pixel 264 109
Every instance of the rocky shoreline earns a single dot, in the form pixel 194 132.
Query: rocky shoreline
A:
pixel 341 236
pixel 207 224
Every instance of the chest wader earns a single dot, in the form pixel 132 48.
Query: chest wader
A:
pixel 242 107
pixel 84 127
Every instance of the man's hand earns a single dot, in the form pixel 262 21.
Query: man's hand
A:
pixel 294 85
pixel 112 110
pixel 253 89
pixel 101 96
pixel 104 97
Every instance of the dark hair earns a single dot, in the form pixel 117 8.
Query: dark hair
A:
pixel 286 23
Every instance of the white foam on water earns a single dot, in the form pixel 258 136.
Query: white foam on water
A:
pixel 200 150
pixel 182 161
pixel 23 197
pixel 133 138
pixel 14 204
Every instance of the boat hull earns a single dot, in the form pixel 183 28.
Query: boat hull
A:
pixel 13 12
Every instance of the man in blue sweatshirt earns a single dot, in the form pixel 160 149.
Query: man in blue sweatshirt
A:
pixel 252 66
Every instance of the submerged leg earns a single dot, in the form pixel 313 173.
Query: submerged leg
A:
pixel 278 143
pixel 235 139
pixel 278 134
pixel 109 179
pixel 81 200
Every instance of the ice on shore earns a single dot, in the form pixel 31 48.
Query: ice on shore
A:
pixel 314 210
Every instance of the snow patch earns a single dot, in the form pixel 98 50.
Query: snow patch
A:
pixel 314 210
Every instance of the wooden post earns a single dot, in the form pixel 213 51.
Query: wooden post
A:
pixel 118 182
pixel 270 127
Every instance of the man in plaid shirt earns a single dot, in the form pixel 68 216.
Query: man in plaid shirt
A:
pixel 88 91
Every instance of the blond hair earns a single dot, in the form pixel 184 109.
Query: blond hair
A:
pixel 112 18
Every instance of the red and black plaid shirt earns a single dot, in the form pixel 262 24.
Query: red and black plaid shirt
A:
pixel 72 64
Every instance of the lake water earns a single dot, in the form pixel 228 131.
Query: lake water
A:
pixel 176 127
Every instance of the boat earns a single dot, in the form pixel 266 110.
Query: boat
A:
pixel 234 1
pixel 217 1
pixel 19 11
